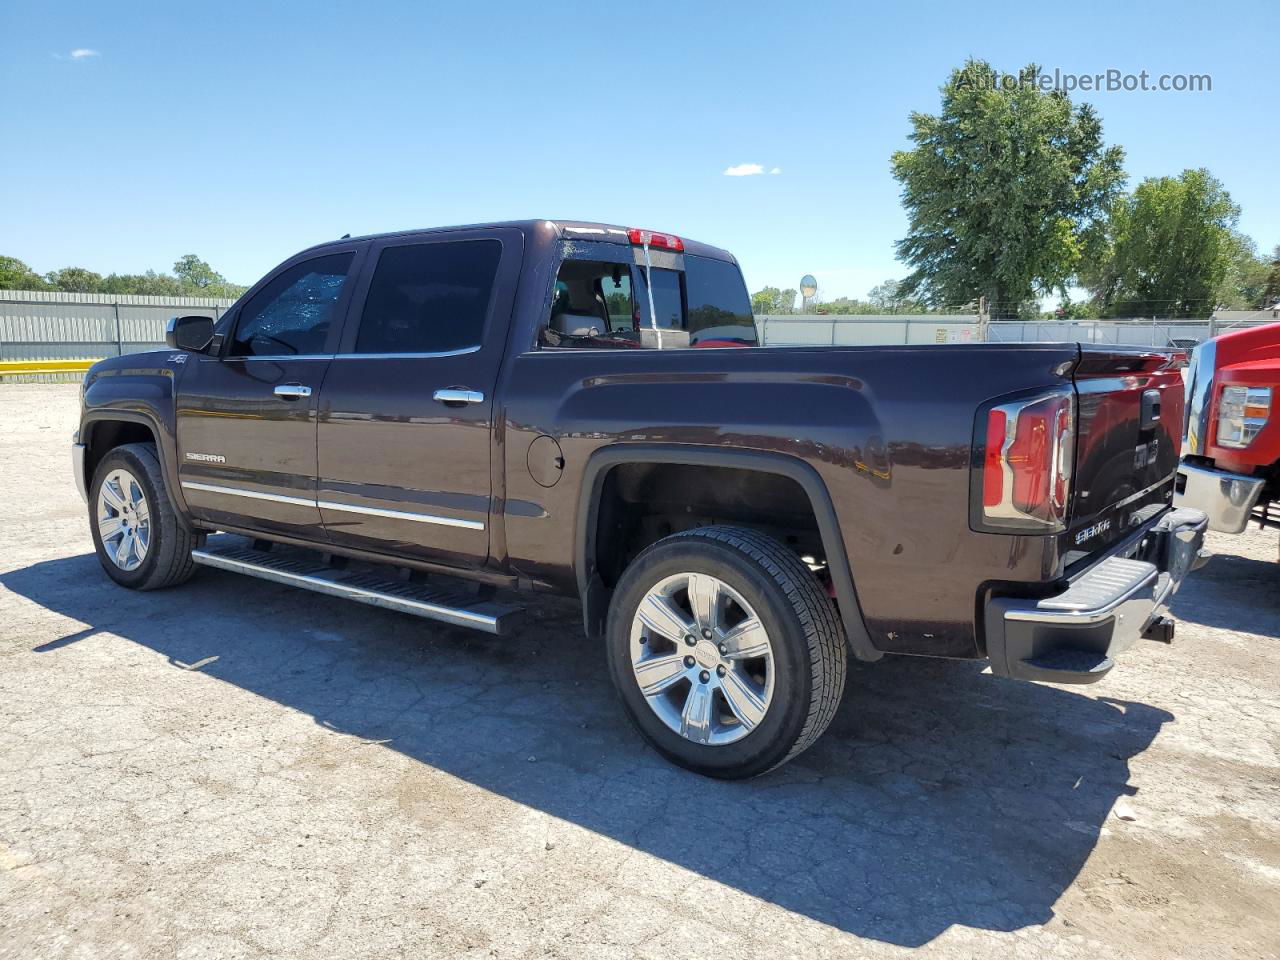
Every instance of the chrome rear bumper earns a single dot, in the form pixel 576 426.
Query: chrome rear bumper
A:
pixel 1227 498
pixel 1074 636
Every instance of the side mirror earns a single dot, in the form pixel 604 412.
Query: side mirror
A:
pixel 192 334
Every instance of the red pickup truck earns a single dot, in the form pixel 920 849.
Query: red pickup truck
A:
pixel 1231 451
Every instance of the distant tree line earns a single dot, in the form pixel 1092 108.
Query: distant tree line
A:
pixel 1012 195
pixel 883 298
pixel 191 277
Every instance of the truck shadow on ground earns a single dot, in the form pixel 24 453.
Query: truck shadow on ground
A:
pixel 1232 593
pixel 940 796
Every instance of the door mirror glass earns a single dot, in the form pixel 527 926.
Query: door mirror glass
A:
pixel 193 334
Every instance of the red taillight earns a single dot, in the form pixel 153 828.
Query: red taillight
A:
pixel 1028 459
pixel 992 467
pixel 659 241
pixel 1026 470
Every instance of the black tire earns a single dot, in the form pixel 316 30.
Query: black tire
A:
pixel 168 555
pixel 808 646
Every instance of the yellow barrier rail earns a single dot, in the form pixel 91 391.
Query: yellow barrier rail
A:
pixel 23 368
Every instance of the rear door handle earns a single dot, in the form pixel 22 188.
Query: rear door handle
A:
pixel 292 391
pixel 454 397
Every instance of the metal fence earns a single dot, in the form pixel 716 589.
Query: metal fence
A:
pixel 37 325
pixel 1137 333
pixel 845 330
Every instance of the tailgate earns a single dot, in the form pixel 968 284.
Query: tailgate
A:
pixel 1128 440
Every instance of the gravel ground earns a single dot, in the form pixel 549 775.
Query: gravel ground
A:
pixel 236 769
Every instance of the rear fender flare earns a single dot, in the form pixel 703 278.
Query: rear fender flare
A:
pixel 595 595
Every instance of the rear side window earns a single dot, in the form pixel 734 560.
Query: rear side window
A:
pixel 719 307
pixel 429 297
pixel 293 313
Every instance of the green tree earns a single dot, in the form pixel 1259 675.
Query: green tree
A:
pixel 1068 309
pixel 194 278
pixel 1271 287
pixel 771 300
pixel 1170 250
pixel 1245 281
pixel 1004 190
pixel 891 297
pixel 16 275
pixel 195 273
pixel 74 280
pixel 144 284
pixel 846 306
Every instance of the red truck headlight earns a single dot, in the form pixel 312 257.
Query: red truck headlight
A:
pixel 1242 413
pixel 1027 451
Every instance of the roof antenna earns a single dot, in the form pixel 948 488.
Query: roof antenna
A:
pixel 345 236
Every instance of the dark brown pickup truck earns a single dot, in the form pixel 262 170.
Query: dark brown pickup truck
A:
pixel 428 420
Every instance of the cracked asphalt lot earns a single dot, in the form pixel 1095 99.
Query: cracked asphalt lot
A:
pixel 236 769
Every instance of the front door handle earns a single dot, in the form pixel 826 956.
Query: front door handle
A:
pixel 292 391
pixel 455 397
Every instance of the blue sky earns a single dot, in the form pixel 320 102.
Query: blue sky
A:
pixel 135 133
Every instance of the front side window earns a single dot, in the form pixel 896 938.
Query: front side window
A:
pixel 293 313
pixel 429 297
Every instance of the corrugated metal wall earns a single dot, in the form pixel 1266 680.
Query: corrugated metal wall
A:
pixel 35 325
pixel 841 330
pixel 38 325
pixel 851 330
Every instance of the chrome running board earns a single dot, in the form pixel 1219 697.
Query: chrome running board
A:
pixel 421 600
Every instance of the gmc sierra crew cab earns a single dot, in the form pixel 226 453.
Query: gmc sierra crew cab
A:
pixel 434 421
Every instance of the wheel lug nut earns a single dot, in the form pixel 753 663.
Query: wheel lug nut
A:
pixel 706 634
pixel 720 670
pixel 723 649
pixel 691 640
pixel 688 661
pixel 704 676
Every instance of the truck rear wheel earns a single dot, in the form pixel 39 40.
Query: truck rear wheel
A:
pixel 141 542
pixel 727 653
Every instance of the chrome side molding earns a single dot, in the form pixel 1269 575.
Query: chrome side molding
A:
pixel 334 505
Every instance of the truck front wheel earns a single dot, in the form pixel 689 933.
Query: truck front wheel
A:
pixel 727 653
pixel 140 540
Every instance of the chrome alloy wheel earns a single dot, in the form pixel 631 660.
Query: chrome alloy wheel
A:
pixel 124 520
pixel 702 658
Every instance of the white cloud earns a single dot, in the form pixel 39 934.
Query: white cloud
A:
pixel 744 170
pixel 79 53
pixel 776 170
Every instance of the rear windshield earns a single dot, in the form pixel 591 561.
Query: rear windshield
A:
pixel 719 307
pixel 605 303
